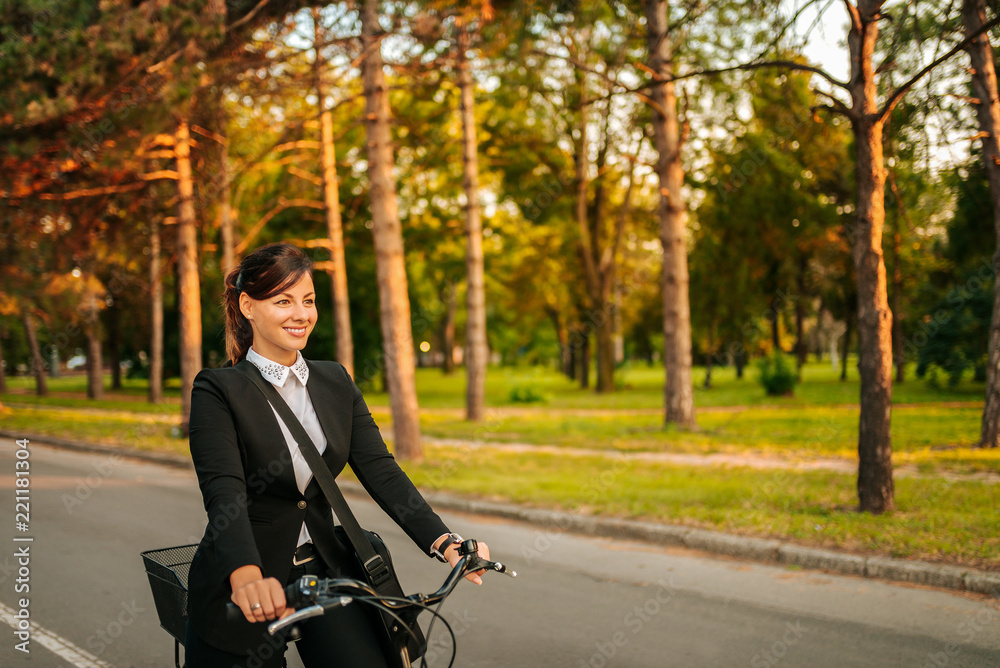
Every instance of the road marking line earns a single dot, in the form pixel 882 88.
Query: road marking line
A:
pixel 54 643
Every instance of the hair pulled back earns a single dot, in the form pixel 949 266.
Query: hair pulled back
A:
pixel 262 274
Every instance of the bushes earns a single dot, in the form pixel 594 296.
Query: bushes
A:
pixel 776 375
pixel 526 394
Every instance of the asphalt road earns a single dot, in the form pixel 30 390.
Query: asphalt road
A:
pixel 577 602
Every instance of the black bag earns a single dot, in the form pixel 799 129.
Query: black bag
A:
pixel 403 640
pixel 399 633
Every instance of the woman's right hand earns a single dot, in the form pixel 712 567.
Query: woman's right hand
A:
pixel 259 598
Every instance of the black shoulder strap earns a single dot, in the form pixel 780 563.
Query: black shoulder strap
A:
pixel 371 560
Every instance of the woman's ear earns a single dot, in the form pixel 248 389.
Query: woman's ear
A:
pixel 245 305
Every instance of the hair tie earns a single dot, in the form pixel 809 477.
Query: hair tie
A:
pixel 239 281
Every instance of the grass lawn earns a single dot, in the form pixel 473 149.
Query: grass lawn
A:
pixel 919 433
pixel 939 516
pixel 71 392
pixel 142 432
pixel 934 520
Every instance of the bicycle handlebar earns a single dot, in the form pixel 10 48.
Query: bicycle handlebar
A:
pixel 324 594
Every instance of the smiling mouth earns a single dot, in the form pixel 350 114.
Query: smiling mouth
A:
pixel 295 330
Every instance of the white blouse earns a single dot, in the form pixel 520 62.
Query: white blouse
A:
pixel 291 385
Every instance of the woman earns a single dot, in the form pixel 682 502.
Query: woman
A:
pixel 268 521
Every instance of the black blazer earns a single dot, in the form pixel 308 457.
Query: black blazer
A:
pixel 254 506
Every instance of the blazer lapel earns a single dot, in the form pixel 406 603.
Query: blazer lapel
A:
pixel 271 433
pixel 334 403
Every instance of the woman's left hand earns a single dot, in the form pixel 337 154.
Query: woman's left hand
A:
pixel 452 555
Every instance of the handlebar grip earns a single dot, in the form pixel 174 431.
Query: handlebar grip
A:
pixel 296 594
pixel 233 613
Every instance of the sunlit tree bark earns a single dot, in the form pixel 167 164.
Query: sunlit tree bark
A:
pixel 344 343
pixel 394 301
pixel 672 212
pixel 156 316
pixel 226 238
pixel 31 333
pixel 189 287
pixel 3 372
pixel 92 330
pixel 475 301
pixel 875 484
pixel 984 85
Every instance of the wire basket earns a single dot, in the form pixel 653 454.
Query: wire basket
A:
pixel 167 570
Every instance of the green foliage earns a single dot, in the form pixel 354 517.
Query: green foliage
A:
pixel 777 375
pixel 527 394
pixel 954 336
pixel 952 332
pixel 767 237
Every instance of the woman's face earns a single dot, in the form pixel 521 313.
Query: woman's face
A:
pixel 282 323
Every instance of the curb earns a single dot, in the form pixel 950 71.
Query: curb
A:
pixel 715 542
pixel 744 547
pixel 178 461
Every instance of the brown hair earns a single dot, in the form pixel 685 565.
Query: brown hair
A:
pixel 262 274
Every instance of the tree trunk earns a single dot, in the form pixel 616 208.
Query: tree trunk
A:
pixel 875 483
pixel 984 85
pixel 572 361
pixel 597 253
pixel 114 344
pixel 898 355
pixel 476 350
pixel 848 332
pixel 448 330
pixel 678 388
pixel 225 203
pixel 709 358
pixel 565 350
pixel 776 306
pixel 156 319
pixel 41 389
pixel 821 330
pixel 584 357
pixel 801 347
pixel 596 249
pixel 331 198
pixel 595 315
pixel 189 288
pixel 606 265
pixel 3 372
pixel 604 336
pixel 617 324
pixel 95 366
pixel 394 301
pixel 92 330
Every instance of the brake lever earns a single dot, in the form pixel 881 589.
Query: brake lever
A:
pixel 470 549
pixel 497 567
pixel 485 565
pixel 306 613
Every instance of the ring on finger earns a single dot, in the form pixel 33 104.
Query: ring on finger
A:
pixel 255 606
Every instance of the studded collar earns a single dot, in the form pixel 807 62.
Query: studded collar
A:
pixel 276 373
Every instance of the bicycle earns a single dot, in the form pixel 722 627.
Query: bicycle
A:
pixel 312 596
